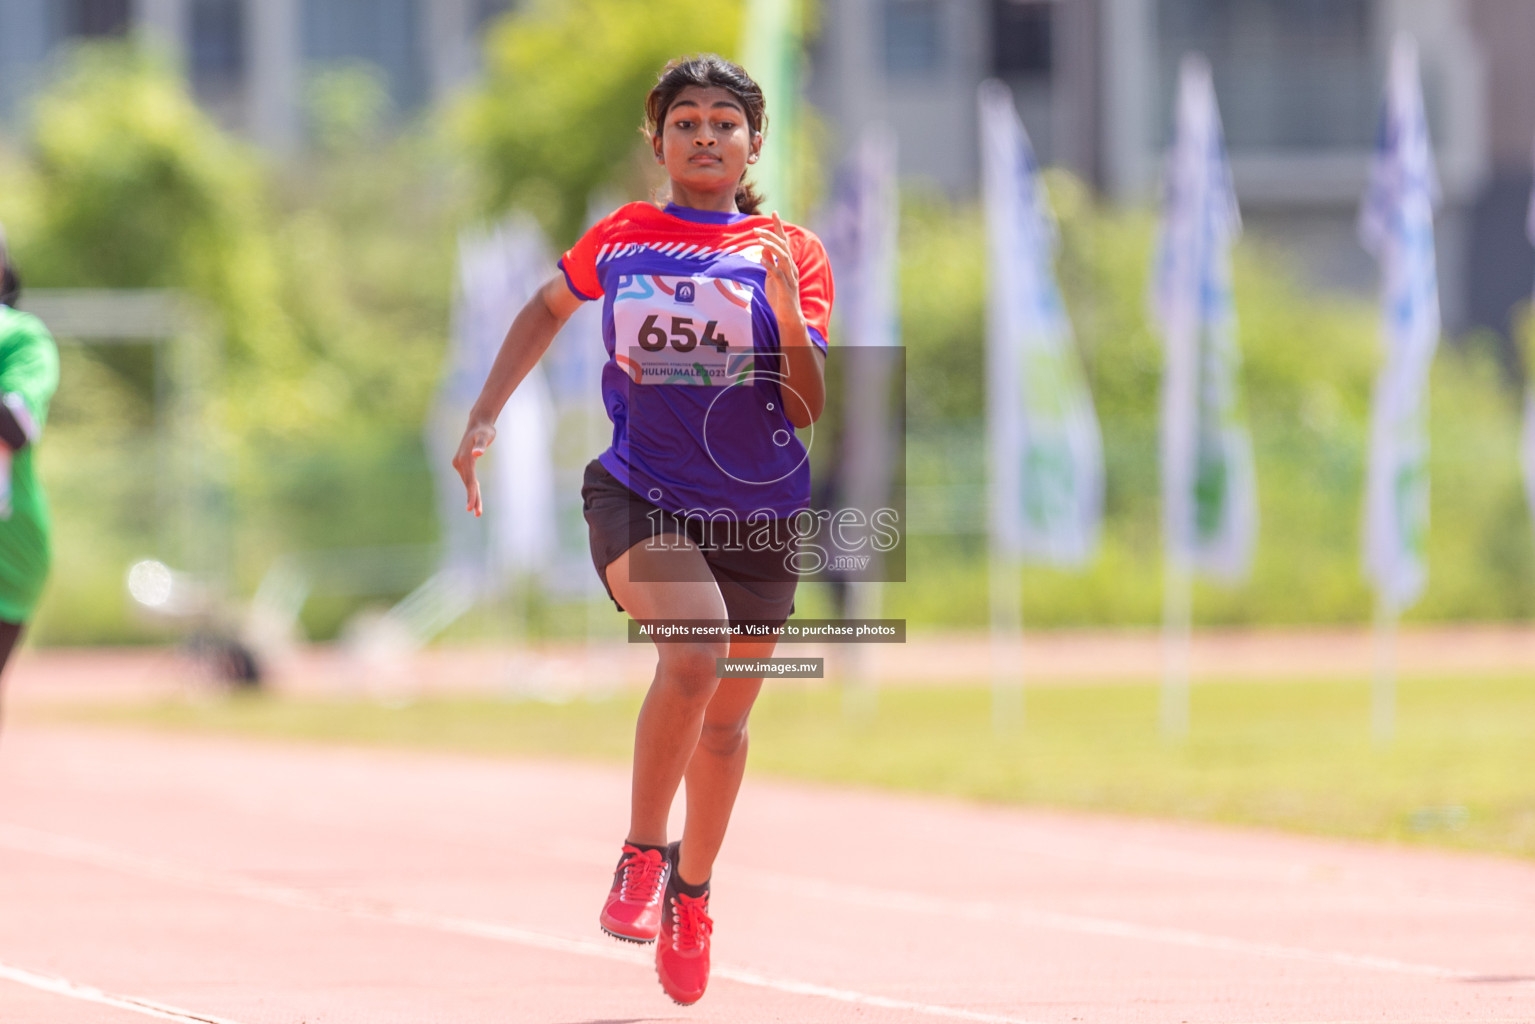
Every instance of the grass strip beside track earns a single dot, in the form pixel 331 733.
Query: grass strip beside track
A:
pixel 1460 771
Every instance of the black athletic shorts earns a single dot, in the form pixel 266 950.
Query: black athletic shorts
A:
pixel 757 585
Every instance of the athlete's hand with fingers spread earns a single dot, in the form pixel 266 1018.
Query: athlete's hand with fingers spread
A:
pixel 477 438
pixel 782 274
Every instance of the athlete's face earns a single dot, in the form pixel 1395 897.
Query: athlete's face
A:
pixel 705 142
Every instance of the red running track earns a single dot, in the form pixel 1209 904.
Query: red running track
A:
pixel 146 876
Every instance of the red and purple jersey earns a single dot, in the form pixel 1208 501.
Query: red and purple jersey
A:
pixel 692 381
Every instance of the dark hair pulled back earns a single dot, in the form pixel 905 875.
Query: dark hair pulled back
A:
pixel 705 70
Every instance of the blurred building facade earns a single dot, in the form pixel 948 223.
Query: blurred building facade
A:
pixel 247 60
pixel 1299 83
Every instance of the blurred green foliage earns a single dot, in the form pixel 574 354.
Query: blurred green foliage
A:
pixel 560 112
pixel 1310 360
pixel 327 285
pixel 131 186
pixel 347 105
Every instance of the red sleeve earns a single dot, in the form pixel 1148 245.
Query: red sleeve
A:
pixel 579 263
pixel 816 289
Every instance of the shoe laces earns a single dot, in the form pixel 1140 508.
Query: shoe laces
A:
pixel 642 870
pixel 693 923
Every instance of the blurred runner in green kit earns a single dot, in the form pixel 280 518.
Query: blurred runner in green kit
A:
pixel 29 373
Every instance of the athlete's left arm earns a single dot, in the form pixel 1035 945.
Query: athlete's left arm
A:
pixel 804 365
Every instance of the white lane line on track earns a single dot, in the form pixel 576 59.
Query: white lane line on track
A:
pixel 69 989
pixel 901 901
pixel 908 902
pixel 1394 897
pixel 81 851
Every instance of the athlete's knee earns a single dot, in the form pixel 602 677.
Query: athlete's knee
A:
pixel 723 738
pixel 692 667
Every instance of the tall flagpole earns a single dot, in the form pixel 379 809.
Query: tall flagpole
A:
pixel 1383 686
pixel 770 44
pixel 1209 503
pixel 1180 271
pixel 1005 584
pixel 1396 224
pixel 1177 639
pixel 1001 165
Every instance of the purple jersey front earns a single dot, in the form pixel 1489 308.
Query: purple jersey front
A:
pixel 692 381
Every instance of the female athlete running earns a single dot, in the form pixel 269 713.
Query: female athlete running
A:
pixel 715 321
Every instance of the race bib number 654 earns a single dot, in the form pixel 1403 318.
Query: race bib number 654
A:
pixel 683 330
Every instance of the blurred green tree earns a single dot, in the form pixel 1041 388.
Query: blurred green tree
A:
pixel 328 284
pixel 557 116
pixel 347 104
pixel 134 187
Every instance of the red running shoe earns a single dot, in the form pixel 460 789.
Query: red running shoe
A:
pixel 682 954
pixel 633 909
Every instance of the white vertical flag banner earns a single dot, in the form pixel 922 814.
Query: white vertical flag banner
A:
pixel 861 240
pixel 861 232
pixel 1046 452
pixel 1209 500
pixel 1396 224
pixel 500 268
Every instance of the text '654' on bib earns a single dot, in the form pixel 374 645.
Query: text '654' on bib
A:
pixel 683 330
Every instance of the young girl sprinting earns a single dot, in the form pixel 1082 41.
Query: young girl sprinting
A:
pixel 715 321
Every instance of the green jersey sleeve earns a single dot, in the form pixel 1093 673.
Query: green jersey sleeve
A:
pixel 29 366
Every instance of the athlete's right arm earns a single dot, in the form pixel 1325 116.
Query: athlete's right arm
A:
pixel 526 340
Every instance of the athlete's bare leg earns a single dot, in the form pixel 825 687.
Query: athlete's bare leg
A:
pixel 719 761
pixel 10 632
pixel 670 583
